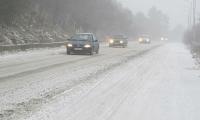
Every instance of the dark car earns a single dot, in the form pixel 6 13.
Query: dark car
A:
pixel 83 43
pixel 118 40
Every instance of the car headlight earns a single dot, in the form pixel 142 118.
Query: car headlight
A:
pixel 121 41
pixel 69 45
pixel 111 41
pixel 148 40
pixel 140 39
pixel 162 38
pixel 87 46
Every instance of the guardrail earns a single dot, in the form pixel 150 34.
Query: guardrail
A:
pixel 13 48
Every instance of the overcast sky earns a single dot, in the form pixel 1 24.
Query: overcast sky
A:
pixel 177 10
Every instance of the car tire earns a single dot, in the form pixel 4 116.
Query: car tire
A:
pixel 97 52
pixel 91 52
pixel 68 53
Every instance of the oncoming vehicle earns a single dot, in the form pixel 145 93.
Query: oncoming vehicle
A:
pixel 144 39
pixel 83 43
pixel 118 40
pixel 164 39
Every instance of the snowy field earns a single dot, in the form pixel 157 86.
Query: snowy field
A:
pixel 141 82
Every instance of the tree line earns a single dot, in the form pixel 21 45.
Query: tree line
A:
pixel 98 16
pixel 192 38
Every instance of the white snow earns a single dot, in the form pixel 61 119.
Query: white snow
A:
pixel 159 86
pixel 118 84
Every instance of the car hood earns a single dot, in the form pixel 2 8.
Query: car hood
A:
pixel 79 42
pixel 119 39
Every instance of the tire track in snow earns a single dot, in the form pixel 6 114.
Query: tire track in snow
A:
pixel 36 103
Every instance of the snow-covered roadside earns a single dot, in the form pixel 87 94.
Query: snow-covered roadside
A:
pixel 31 53
pixel 161 85
pixel 23 94
pixel 172 93
pixel 196 56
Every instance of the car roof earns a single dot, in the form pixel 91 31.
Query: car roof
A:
pixel 119 36
pixel 144 35
pixel 84 33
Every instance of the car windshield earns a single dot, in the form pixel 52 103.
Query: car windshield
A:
pixel 118 37
pixel 82 37
pixel 145 36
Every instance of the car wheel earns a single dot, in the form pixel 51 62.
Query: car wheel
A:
pixel 68 53
pixel 91 52
pixel 97 52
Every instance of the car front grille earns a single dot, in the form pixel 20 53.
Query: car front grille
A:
pixel 78 45
pixel 117 41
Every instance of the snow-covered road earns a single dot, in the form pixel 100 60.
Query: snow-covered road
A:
pixel 141 82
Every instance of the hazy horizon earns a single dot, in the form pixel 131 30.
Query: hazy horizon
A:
pixel 177 10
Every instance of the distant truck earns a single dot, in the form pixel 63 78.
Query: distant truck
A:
pixel 118 41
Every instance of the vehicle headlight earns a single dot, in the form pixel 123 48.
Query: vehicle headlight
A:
pixel 111 41
pixel 140 39
pixel 69 45
pixel 121 41
pixel 148 39
pixel 87 46
pixel 162 38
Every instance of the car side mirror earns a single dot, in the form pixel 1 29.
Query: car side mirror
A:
pixel 95 40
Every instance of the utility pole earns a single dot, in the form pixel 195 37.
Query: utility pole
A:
pixel 190 11
pixel 194 21
pixel 189 4
pixel 194 13
pixel 199 19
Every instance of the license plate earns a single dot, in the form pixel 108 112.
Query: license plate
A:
pixel 78 48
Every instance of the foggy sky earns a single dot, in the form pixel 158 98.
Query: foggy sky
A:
pixel 177 10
